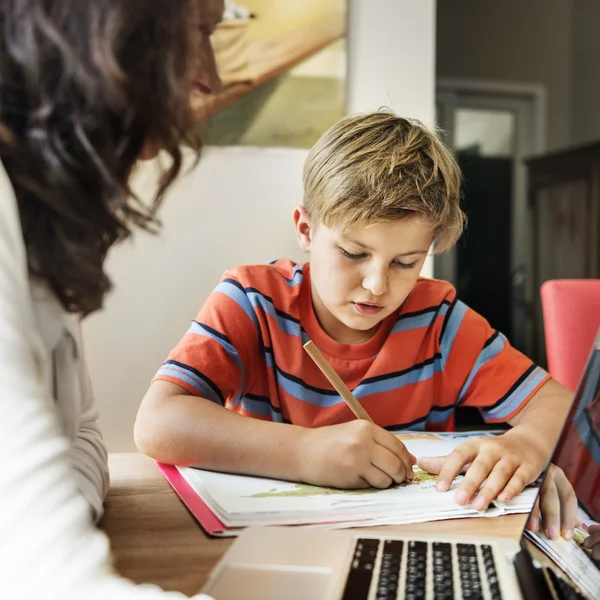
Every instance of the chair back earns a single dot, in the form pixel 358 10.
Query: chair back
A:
pixel 571 309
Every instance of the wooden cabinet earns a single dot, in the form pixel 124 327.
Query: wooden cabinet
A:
pixel 564 197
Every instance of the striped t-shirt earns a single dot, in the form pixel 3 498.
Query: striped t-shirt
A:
pixel 245 352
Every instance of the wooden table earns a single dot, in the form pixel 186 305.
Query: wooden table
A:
pixel 156 540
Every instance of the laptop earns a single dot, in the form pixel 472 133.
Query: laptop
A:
pixel 285 563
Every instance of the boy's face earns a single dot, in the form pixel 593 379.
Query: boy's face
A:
pixel 363 275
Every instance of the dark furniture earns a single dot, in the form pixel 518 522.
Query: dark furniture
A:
pixel 564 197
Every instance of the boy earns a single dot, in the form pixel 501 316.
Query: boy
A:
pixel 379 191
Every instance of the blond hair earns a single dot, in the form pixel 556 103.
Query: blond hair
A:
pixel 381 167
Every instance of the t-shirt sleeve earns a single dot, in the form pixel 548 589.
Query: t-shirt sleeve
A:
pixel 483 369
pixel 216 357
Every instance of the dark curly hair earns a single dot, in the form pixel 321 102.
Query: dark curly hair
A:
pixel 84 87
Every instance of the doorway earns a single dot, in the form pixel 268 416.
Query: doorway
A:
pixel 492 128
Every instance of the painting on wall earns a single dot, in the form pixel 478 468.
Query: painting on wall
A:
pixel 283 66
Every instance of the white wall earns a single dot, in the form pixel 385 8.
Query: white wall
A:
pixel 391 57
pixel 391 61
pixel 234 209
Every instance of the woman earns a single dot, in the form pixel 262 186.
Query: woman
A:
pixel 86 89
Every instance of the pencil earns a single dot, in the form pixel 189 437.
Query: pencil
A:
pixel 336 382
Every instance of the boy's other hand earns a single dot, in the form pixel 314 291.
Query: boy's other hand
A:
pixel 593 541
pixel 559 506
pixel 507 463
pixel 353 455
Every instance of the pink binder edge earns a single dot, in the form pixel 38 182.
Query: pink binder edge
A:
pixel 199 509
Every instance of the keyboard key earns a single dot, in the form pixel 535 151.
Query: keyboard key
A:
pixel 416 580
pixel 360 576
pixel 491 575
pixel 389 574
pixel 443 577
pixel 472 577
pixel 468 568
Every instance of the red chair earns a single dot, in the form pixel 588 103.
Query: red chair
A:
pixel 571 309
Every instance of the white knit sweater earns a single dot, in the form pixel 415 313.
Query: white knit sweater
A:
pixel 54 473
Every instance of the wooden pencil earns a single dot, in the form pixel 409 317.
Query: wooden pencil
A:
pixel 336 381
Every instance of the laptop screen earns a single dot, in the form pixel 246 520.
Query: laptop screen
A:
pixel 578 450
pixel 577 453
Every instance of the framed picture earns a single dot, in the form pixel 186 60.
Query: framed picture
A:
pixel 283 67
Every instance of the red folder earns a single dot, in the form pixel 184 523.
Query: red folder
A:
pixel 199 509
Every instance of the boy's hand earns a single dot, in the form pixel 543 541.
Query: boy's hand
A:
pixel 559 506
pixel 593 541
pixel 356 454
pixel 509 462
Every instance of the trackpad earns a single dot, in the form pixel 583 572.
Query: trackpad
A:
pixel 259 582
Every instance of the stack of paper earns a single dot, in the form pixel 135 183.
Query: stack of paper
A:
pixel 239 501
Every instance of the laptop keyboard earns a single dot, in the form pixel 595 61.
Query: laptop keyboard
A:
pixel 416 570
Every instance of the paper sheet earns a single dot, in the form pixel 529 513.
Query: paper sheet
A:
pixel 240 500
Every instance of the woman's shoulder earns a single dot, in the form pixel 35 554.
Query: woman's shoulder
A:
pixel 14 286
pixel 51 319
pixel 11 236
pixel 25 293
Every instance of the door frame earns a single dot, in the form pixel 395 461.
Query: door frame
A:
pixel 528 102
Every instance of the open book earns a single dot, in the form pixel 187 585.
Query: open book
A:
pixel 225 503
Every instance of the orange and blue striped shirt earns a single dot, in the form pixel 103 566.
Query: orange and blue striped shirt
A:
pixel 244 351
